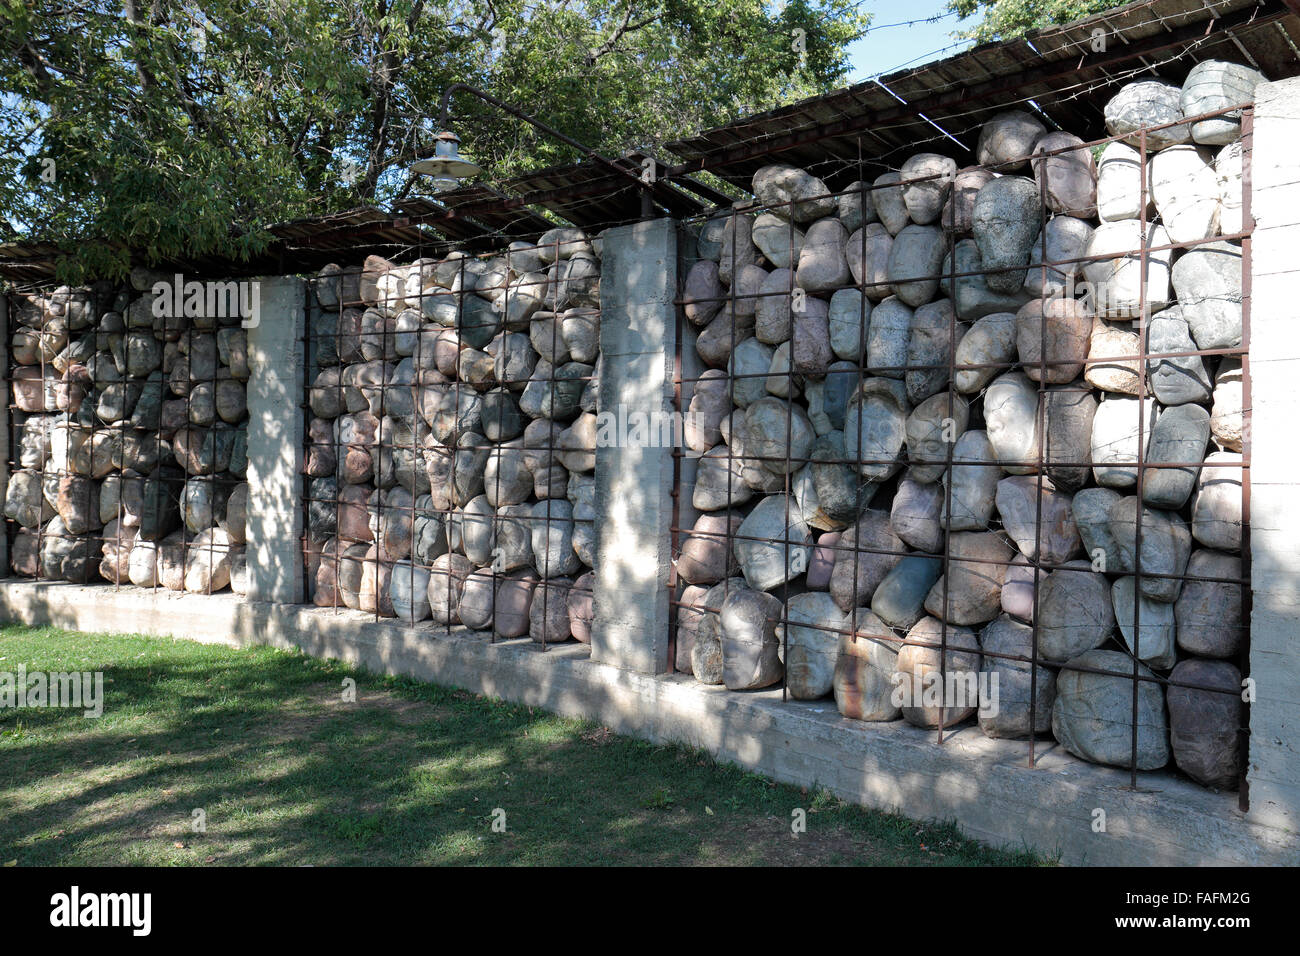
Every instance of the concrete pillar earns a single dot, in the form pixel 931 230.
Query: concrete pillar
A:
pixel 1274 770
pixel 638 328
pixel 275 442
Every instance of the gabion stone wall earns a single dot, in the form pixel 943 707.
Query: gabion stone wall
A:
pixel 451 445
pixel 129 438
pixel 925 404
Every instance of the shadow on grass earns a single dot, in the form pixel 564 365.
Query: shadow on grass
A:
pixel 286 771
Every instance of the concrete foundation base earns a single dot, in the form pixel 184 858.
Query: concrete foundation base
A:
pixel 982 784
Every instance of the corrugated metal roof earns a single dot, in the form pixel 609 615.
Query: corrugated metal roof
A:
pixel 940 106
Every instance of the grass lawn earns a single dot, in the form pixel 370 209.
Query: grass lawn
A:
pixel 286 772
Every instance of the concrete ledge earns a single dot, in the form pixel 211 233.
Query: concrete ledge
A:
pixel 982 784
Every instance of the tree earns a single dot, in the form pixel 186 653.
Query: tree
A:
pixel 1003 19
pixel 178 128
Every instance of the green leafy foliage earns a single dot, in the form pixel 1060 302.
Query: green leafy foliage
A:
pixel 181 129
pixel 1003 19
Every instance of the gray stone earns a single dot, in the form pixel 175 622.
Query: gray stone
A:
pixel 989 343
pixel 447 578
pixel 1119 183
pixel 1228 168
pixel 971 592
pixel 1117 271
pixel 1227 420
pixel 930 431
pixel 501 417
pixel 1093 714
pixel 506 477
pixel 708 244
pixel 552 538
pixel 887 196
pixel 750 649
pixel 855 206
pixel 1005 222
pixel 1019 589
pixel 780 435
pixel 868 251
pixel 1179 435
pixel 773 319
pixel 899 601
pixel 887 338
pixel 849 319
pixel 842 379
pixel 745 289
pixel 968 505
pixel 810 639
pixel 1165 548
pixel 706 654
pixel 822 266
pixel 1053 337
pixel 1068 413
pixel 1011 420
pixel 1038 518
pixel 1205 725
pixel 512 547
pixel 773 543
pixel 409 591
pixel 1185 190
pixel 792 193
pixel 207 562
pixel 1075 613
pixel 914 515
pixel 702 292
pixel 737 246
pixel 875 427
pixel 945 659
pixel 473 526
pixel 1147 103
pixel 1064 168
pixel 1208 282
pixel 581 333
pixel 756 475
pixel 926 176
pixel 778 239
pixel 960 204
pixel 1216 85
pixel 1063 238
pixel 864 671
pixel 1179 379
pixel 1208 613
pixel 719 481
pixel 810 340
pixel 868 551
pixel 24 502
pixel 1007 140
pixel 914 263
pixel 1019 682
pixel 968 289
pixel 459 593
pixel 715 341
pixel 1154 624
pixel 1216 508
pixel 1115 438
pixel 749 363
pixel 931 342
pixel 839 494
pixel 548 615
